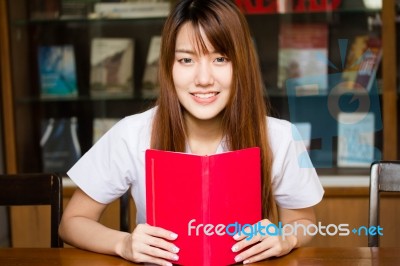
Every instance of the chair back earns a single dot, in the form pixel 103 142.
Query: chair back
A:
pixel 385 177
pixel 35 189
pixel 124 212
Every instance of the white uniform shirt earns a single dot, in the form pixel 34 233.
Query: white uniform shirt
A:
pixel 117 162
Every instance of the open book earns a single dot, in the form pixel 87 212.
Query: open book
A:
pixel 204 199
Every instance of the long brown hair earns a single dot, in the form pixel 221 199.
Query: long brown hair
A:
pixel 244 118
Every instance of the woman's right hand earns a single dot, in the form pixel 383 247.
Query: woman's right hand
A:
pixel 149 244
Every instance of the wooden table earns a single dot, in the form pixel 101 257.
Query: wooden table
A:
pixel 302 256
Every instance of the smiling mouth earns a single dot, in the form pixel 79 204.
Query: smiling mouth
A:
pixel 205 95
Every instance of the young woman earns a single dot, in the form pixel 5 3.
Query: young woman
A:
pixel 211 101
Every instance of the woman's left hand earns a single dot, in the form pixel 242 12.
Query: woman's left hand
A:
pixel 263 245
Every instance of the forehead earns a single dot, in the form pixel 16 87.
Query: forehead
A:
pixel 195 40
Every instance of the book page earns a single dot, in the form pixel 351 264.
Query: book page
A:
pixel 112 67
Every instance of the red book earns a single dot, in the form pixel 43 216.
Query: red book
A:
pixel 204 199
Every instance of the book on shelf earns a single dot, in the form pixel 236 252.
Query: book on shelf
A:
pixel 286 6
pixel 75 9
pixel 191 194
pixel 374 4
pixel 111 73
pixel 302 57
pixel 101 126
pixel 150 84
pixel 355 139
pixel 59 144
pixel 44 9
pixel 57 71
pixel 132 9
pixel 363 61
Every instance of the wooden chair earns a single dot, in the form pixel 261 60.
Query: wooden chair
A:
pixel 35 189
pixel 385 177
pixel 124 212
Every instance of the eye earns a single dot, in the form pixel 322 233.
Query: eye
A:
pixel 185 60
pixel 221 59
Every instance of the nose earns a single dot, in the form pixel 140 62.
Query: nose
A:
pixel 204 75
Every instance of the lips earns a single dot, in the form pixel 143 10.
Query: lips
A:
pixel 205 95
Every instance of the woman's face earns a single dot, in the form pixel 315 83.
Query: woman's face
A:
pixel 202 81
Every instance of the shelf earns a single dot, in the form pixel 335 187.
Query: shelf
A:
pixel 80 99
pixel 275 92
pixel 308 13
pixel 270 93
pixel 345 181
pixel 85 20
pixel 302 106
pixel 342 171
pixel 24 22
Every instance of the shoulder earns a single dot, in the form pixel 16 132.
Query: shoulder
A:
pixel 284 141
pixel 135 123
pixel 130 131
pixel 139 119
pixel 279 130
pixel 277 124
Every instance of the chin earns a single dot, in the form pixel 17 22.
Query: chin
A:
pixel 206 115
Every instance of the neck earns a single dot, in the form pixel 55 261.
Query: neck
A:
pixel 203 136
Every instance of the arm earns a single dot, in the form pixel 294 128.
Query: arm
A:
pixel 266 246
pixel 80 227
pixel 294 217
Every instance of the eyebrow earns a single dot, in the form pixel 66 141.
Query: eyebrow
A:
pixel 187 51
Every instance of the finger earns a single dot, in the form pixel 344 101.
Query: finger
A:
pixel 159 253
pixel 246 233
pixel 250 231
pixel 161 243
pixel 252 251
pixel 248 241
pixel 143 242
pixel 160 232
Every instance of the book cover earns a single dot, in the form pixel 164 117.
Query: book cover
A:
pixel 362 63
pixel 101 126
pixel 59 143
pixel 57 71
pixel 355 139
pixel 303 53
pixel 111 67
pixel 150 85
pixel 202 199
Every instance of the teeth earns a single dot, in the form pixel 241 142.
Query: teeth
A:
pixel 205 95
